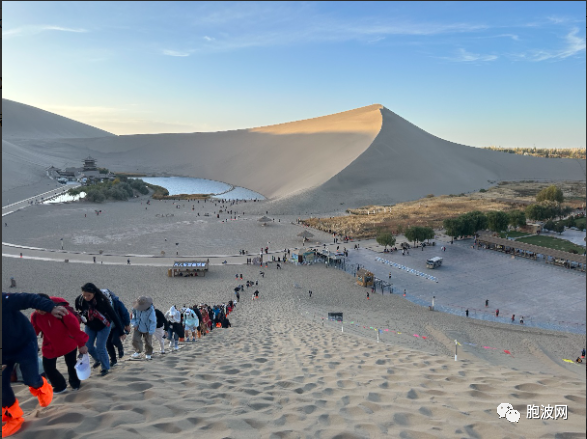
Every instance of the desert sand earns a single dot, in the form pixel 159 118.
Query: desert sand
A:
pixel 364 156
pixel 283 370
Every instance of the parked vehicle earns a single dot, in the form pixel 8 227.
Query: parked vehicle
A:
pixel 434 262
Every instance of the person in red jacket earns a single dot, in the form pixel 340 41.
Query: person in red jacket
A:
pixel 61 338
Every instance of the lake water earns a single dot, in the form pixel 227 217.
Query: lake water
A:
pixel 186 185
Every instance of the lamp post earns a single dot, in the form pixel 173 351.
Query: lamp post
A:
pixel 433 298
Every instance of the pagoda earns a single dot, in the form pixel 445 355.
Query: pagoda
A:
pixel 89 164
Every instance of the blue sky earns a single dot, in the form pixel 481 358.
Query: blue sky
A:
pixel 479 73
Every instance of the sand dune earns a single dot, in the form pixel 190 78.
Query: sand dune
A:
pixel 26 122
pixel 282 373
pixel 363 156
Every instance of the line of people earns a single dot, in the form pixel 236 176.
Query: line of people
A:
pixel 107 324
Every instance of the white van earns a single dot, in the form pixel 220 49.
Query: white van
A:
pixel 434 262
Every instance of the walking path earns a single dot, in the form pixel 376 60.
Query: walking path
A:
pixel 544 295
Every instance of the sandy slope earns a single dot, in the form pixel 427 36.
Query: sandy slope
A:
pixel 358 157
pixel 277 373
pixel 26 122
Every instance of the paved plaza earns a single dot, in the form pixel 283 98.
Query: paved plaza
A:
pixel 545 295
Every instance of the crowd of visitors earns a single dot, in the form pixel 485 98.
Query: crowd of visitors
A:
pixel 106 321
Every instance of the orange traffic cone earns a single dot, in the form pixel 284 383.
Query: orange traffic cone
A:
pixel 44 393
pixel 11 419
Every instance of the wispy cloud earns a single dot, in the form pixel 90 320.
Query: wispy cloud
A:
pixel 36 29
pixel 207 38
pixel 464 56
pixel 175 53
pixel 512 36
pixel 575 44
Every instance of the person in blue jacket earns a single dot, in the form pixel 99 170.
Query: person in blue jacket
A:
pixel 20 346
pixel 144 321
pixel 115 332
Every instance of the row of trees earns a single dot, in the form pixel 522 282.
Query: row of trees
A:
pixel 548 205
pixel 472 222
pixel 414 234
pixel 115 190
pixel 571 153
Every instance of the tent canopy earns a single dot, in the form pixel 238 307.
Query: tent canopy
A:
pixel 305 234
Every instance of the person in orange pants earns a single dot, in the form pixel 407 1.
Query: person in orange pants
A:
pixel 20 346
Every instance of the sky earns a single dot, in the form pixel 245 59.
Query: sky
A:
pixel 508 74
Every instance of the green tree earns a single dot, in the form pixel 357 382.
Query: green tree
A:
pixel 95 196
pixel 385 239
pixel 453 227
pixel 497 221
pixel 551 193
pixel 540 212
pixel 427 233
pixel 517 218
pixel 549 225
pixel 411 234
pixel 570 222
pixel 559 227
pixel 473 222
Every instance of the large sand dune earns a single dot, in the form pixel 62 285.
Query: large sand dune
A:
pixel 363 156
pixel 26 122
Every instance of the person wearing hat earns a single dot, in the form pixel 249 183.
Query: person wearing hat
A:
pixel 144 322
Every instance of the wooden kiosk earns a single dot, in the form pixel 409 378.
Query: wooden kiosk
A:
pixel 365 278
pixel 188 268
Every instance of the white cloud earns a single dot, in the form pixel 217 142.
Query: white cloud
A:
pixel 463 56
pixel 512 36
pixel 575 44
pixel 36 29
pixel 175 53
pixel 207 38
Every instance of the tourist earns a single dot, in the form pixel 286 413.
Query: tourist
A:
pixel 497 312
pixel 60 339
pixel 190 324
pixel 97 314
pixel 310 293
pixel 467 313
pixel 115 332
pixel 513 318
pixel 199 327
pixel 144 322
pixel 162 327
pixel 175 330
pixel 20 346
pixel 225 323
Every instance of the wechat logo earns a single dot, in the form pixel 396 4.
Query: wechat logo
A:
pixel 506 410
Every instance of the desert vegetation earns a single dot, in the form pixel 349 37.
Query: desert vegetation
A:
pixel 565 153
pixel 511 198
pixel 111 190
